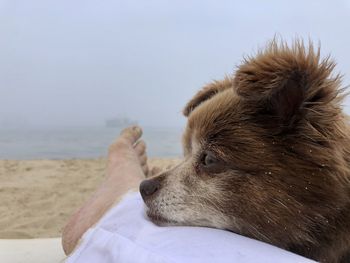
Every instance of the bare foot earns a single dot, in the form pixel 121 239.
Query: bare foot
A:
pixel 126 168
pixel 128 155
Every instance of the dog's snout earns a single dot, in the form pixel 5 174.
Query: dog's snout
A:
pixel 149 187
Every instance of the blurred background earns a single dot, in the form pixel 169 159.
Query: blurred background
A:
pixel 72 73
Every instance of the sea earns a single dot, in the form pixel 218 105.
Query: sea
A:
pixel 81 142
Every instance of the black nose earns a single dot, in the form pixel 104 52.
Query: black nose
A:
pixel 148 188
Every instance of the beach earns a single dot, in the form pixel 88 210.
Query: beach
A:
pixel 38 196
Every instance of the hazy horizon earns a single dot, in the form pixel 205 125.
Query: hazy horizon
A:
pixel 77 63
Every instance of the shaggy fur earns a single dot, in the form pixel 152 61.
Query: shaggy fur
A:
pixel 267 155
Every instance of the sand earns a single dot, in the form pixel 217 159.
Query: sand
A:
pixel 38 196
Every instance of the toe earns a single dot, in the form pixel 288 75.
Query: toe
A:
pixel 143 159
pixel 145 169
pixel 125 141
pixel 140 147
pixel 131 134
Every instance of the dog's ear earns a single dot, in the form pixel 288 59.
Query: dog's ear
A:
pixel 281 81
pixel 206 93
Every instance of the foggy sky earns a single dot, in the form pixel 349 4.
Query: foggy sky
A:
pixel 79 62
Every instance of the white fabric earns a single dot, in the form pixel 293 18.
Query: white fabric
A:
pixel 125 234
pixel 38 250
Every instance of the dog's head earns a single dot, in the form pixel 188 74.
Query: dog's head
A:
pixel 263 151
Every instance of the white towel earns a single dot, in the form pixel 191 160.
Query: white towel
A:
pixel 125 234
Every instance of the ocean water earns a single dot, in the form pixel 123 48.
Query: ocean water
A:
pixel 81 142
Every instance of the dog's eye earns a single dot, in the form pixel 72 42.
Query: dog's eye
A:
pixel 208 159
pixel 209 164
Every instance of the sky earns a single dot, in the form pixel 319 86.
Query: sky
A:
pixel 72 63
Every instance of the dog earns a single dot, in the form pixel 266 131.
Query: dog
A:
pixel 266 155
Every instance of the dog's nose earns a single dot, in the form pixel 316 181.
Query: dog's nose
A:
pixel 148 188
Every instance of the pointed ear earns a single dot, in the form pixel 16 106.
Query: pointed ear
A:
pixel 285 102
pixel 282 81
pixel 206 93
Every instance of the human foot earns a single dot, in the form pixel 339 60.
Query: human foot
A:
pixel 127 155
pixel 126 168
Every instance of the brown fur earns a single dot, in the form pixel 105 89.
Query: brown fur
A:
pixel 279 156
pixel 206 93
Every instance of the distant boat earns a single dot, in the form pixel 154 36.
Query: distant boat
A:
pixel 119 122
